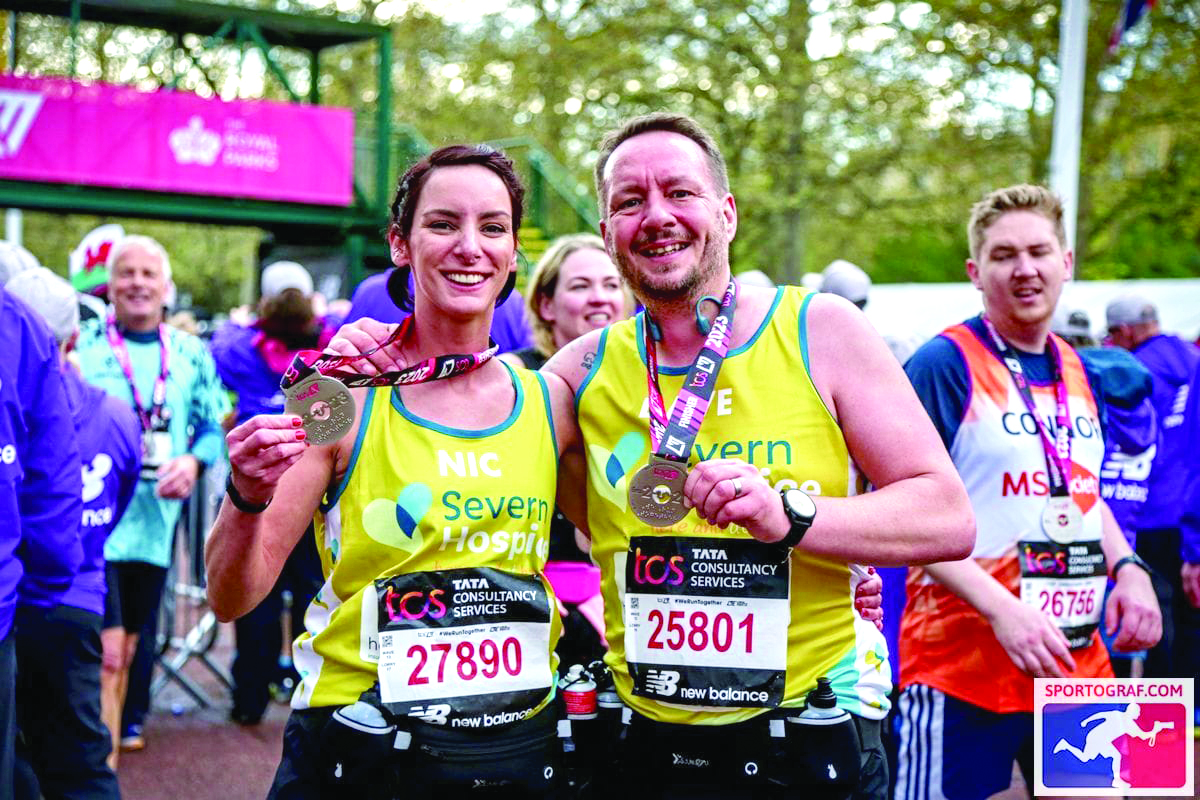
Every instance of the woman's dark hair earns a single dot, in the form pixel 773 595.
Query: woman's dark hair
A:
pixel 288 316
pixel 408 192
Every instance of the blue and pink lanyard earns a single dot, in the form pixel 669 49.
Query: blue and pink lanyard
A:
pixel 1057 447
pixel 149 418
pixel 672 438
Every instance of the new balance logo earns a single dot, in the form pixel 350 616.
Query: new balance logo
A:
pixel 662 681
pixel 17 111
pixel 433 714
pixel 1130 466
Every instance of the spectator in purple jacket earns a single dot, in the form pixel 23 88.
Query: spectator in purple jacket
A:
pixel 1190 534
pixel 40 491
pixel 65 744
pixel 251 361
pixel 1133 324
pixel 373 299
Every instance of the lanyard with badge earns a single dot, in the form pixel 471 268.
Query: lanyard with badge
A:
pixel 1066 576
pixel 705 617
pixel 656 490
pixel 156 436
pixel 1061 519
pixel 316 384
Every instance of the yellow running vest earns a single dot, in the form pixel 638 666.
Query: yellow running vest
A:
pixel 433 547
pixel 708 626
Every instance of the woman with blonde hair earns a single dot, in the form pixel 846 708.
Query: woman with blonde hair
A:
pixel 575 288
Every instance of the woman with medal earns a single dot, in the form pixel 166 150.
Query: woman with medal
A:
pixel 427 657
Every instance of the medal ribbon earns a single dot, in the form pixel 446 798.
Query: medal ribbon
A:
pixel 1058 446
pixel 673 438
pixel 308 362
pixel 147 417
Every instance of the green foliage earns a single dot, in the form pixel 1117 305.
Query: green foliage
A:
pixel 853 128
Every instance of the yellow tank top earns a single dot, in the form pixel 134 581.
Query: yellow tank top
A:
pixel 432 547
pixel 707 626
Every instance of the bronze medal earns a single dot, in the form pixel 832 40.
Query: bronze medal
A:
pixel 656 492
pixel 324 405
pixel 1062 520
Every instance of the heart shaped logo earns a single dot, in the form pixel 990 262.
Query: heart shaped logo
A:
pixel 397 524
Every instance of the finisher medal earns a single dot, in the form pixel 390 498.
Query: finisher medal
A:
pixel 1061 520
pixel 324 405
pixel 317 385
pixel 656 492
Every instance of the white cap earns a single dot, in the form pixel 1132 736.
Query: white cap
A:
pixel 51 297
pixel 1069 321
pixel 755 277
pixel 13 260
pixel 88 262
pixel 286 275
pixel 1130 309
pixel 846 280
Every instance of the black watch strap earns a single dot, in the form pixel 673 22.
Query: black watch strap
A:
pixel 244 505
pixel 1132 558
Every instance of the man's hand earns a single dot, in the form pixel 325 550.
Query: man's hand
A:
pixel 1032 641
pixel 177 477
pixel 1133 607
pixel 1190 573
pixel 727 491
pixel 363 336
pixel 261 449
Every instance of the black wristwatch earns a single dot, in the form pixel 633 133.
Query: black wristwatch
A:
pixel 801 511
pixel 241 503
pixel 1132 558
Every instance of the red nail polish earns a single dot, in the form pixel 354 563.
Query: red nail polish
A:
pixel 297 422
pixel 300 435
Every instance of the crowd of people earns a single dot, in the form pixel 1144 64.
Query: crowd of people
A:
pixel 679 478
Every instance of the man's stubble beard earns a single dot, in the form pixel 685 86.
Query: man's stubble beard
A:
pixel 713 261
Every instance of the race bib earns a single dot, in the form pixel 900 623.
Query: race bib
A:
pixel 706 620
pixel 1066 582
pixel 467 647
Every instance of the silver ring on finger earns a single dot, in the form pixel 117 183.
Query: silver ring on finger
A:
pixel 737 486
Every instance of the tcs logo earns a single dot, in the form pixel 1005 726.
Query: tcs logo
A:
pixel 657 570
pixel 414 605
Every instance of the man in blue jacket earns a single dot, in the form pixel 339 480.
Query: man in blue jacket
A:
pixel 65 744
pixel 1133 324
pixel 40 487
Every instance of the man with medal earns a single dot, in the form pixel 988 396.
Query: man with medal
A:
pixel 170 381
pixel 728 529
pixel 1015 409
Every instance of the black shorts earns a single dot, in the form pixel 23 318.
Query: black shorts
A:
pixel 134 592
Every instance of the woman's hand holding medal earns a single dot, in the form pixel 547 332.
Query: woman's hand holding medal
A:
pixel 372 338
pixel 261 449
pixel 727 491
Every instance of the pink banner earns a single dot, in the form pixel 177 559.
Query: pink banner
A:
pixel 62 131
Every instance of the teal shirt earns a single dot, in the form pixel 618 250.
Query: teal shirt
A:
pixel 197 403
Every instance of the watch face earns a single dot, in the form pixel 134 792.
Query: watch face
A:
pixel 800 504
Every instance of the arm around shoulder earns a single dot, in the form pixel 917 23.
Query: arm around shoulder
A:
pixel 919 511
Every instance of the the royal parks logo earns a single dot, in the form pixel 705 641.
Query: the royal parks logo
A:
pixel 1113 737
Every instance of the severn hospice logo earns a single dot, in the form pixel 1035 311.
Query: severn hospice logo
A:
pixel 1112 737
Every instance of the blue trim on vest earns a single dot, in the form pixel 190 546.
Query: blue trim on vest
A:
pixel 462 433
pixel 639 322
pixel 802 324
pixel 549 411
pixel 358 440
pixel 595 366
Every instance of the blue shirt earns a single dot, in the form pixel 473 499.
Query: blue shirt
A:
pixel 110 450
pixel 510 328
pixel 40 503
pixel 197 403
